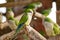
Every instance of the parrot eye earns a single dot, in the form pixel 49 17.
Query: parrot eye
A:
pixel 30 12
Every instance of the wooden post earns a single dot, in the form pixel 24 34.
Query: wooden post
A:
pixel 58 4
pixel 13 4
pixel 47 3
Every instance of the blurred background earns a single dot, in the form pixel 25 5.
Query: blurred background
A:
pixel 52 15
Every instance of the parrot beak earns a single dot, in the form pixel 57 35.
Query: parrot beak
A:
pixel 38 5
pixel 31 10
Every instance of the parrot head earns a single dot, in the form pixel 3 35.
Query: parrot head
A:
pixel 28 10
pixel 9 9
pixel 10 13
pixel 46 12
pixel 34 5
pixel 31 7
pixel 48 19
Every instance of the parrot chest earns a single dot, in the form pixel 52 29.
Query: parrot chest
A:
pixel 29 18
pixel 12 25
pixel 48 27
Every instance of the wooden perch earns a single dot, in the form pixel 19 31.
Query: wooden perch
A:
pixel 39 15
pixel 32 33
pixel 13 4
pixel 4 25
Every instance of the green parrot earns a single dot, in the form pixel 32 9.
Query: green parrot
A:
pixel 11 20
pixel 10 15
pixel 52 29
pixel 24 21
pixel 26 18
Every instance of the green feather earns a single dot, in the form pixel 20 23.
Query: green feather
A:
pixel 24 18
pixel 16 22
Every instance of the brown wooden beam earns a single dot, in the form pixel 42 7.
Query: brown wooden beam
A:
pixel 13 4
